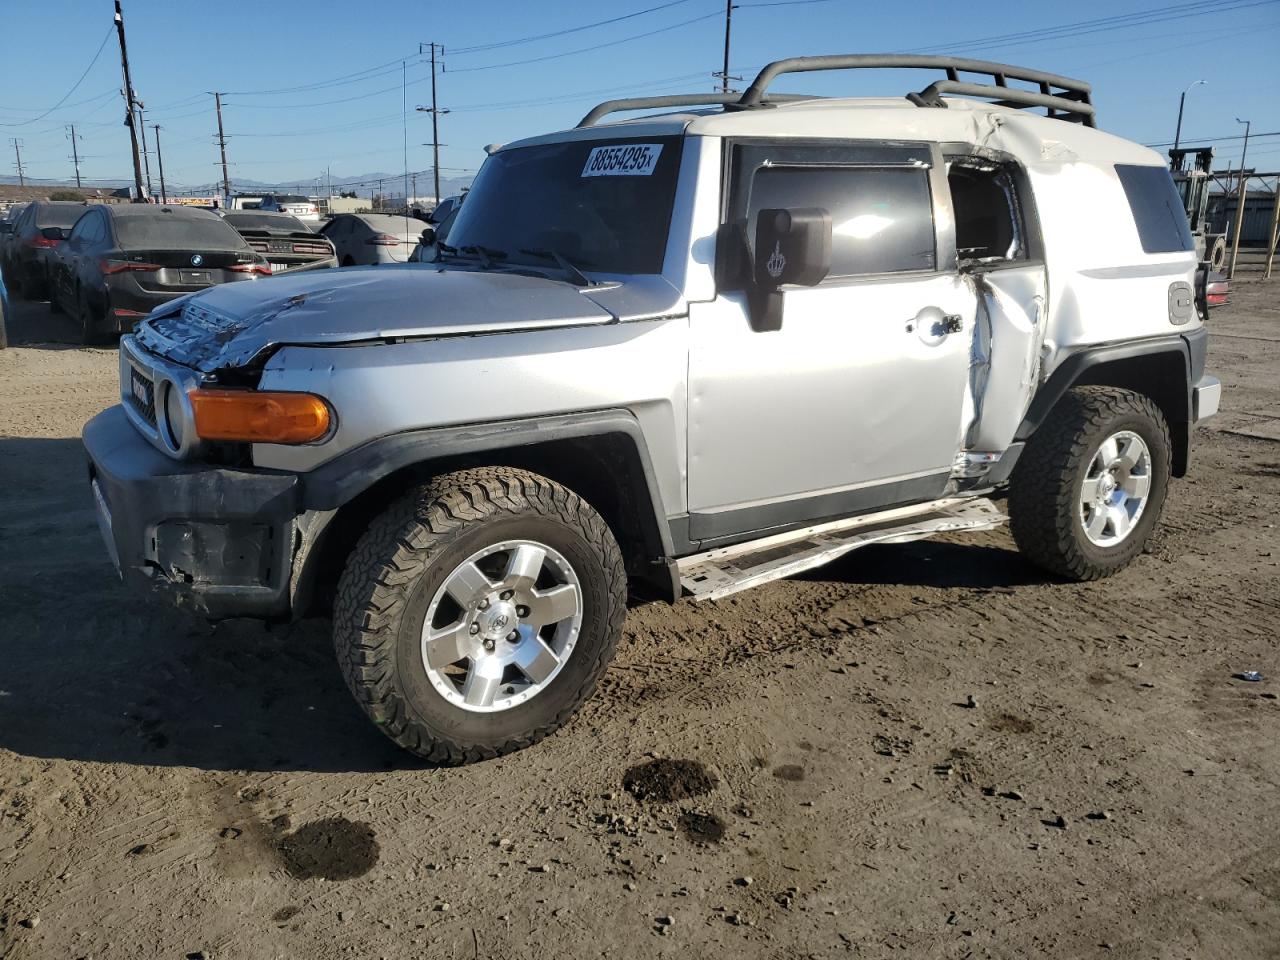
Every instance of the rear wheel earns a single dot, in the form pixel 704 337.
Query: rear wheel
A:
pixel 31 289
pixel 91 321
pixel 477 614
pixel 1089 487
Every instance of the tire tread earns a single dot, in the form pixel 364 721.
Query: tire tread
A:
pixel 396 550
pixel 1042 491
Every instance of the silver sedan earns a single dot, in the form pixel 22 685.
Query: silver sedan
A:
pixel 363 239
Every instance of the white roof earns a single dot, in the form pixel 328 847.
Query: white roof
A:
pixel 1030 136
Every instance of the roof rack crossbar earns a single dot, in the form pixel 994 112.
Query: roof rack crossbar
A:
pixel 678 100
pixel 931 96
pixel 1061 95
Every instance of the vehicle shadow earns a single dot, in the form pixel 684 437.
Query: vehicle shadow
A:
pixel 31 324
pixel 91 671
pixel 935 563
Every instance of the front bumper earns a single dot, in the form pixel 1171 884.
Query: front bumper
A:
pixel 217 540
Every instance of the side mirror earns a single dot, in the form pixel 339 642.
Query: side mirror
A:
pixel 54 233
pixel 792 247
pixel 428 236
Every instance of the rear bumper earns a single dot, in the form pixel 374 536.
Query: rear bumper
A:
pixel 130 301
pixel 216 540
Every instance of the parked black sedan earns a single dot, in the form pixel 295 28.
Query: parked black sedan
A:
pixel 29 250
pixel 287 242
pixel 120 262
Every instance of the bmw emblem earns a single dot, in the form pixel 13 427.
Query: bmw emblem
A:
pixel 196 259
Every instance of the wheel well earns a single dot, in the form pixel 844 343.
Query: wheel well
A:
pixel 605 470
pixel 1160 375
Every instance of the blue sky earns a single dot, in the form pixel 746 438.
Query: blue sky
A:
pixel 317 84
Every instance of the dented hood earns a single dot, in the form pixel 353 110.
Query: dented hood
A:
pixel 230 324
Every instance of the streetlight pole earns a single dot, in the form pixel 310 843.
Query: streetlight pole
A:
pixel 1242 191
pixel 1177 136
pixel 1245 151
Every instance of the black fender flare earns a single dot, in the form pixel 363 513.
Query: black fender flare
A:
pixel 324 491
pixel 1115 364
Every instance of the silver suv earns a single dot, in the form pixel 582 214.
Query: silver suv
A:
pixel 675 355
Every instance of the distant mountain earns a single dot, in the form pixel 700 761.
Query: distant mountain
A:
pixel 392 185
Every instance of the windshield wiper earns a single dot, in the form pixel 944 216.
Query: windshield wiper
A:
pixel 486 254
pixel 576 275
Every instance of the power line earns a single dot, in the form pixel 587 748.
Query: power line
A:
pixel 1098 25
pixel 347 78
pixel 568 30
pixel 75 86
pixel 591 49
pixel 1252 136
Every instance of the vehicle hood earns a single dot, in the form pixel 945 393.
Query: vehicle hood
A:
pixel 230 324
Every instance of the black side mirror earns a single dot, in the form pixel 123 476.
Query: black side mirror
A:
pixel 428 236
pixel 791 247
pixel 54 233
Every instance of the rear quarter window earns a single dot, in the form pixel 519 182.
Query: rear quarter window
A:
pixel 1157 208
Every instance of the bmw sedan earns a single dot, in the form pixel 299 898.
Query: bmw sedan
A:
pixel 119 262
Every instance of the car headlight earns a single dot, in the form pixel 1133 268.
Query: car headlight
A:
pixel 174 417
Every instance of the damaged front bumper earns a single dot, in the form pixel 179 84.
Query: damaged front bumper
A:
pixel 217 540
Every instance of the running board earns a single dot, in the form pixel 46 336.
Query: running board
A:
pixel 718 573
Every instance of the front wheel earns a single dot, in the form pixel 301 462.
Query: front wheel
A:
pixel 477 614
pixel 1088 489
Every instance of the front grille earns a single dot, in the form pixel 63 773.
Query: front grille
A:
pixel 142 394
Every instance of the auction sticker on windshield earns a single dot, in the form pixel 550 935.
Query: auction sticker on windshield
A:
pixel 622 160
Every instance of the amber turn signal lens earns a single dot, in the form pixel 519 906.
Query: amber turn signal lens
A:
pixel 251 416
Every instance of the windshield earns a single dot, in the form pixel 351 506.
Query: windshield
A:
pixel 603 205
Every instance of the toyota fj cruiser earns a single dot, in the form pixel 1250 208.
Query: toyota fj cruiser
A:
pixel 679 354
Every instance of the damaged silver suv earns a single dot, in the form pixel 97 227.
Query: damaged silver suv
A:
pixel 680 354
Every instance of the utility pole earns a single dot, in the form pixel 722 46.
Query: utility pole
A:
pixel 222 145
pixel 1274 232
pixel 17 152
pixel 75 153
pixel 435 110
pixel 728 25
pixel 164 196
pixel 146 162
pixel 1177 134
pixel 328 173
pixel 415 189
pixel 128 104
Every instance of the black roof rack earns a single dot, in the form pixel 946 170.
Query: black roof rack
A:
pixel 679 100
pixel 1064 98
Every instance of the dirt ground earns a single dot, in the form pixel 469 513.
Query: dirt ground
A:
pixel 172 789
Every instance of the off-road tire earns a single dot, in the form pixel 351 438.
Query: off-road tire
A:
pixel 1044 490
pixel 400 562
